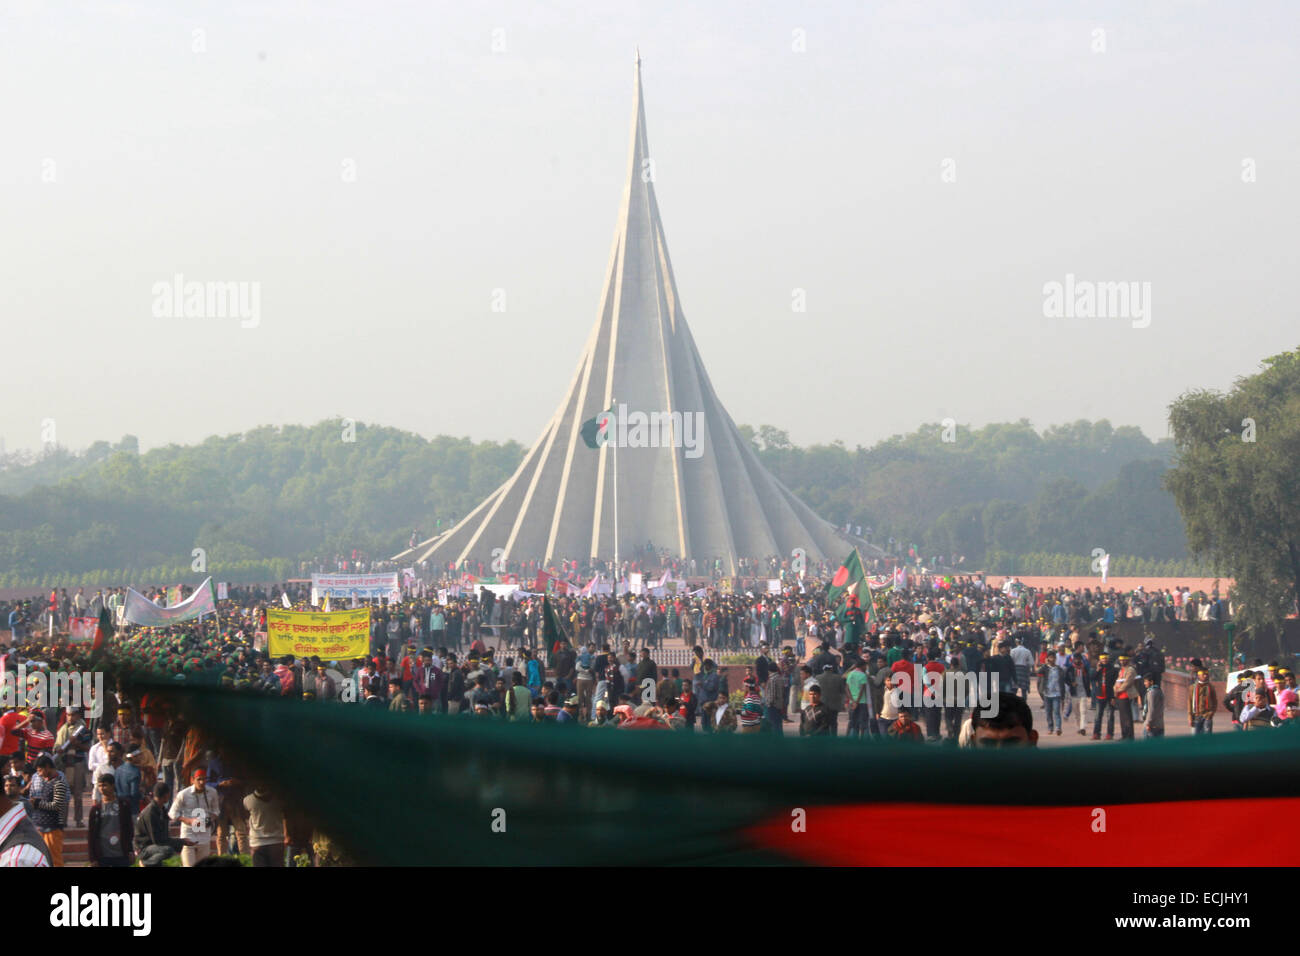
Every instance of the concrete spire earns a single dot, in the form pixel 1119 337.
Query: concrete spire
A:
pixel 686 480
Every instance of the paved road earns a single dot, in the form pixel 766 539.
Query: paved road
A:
pixel 1175 726
pixel 1175 722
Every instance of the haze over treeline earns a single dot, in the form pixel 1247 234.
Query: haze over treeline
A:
pixel 297 492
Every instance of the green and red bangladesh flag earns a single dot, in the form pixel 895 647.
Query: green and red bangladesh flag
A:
pixel 754 799
pixel 552 631
pixel 848 587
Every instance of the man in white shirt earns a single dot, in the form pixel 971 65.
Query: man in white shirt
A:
pixel 198 809
pixel 1023 659
pixel 97 759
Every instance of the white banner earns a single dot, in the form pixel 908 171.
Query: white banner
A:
pixel 364 586
pixel 82 629
pixel 223 593
pixel 140 610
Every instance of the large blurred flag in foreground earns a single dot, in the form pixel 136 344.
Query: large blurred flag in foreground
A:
pixel 587 796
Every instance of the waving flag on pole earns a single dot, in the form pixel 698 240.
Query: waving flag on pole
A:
pixel 103 630
pixel 850 585
pixel 552 631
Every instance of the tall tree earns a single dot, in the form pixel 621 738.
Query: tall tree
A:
pixel 1237 485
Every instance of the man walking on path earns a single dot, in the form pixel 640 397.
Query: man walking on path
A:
pixel 1022 658
pixel 1080 687
pixel 1202 702
pixel 1103 691
pixel 71 746
pixel 861 710
pixel 832 694
pixel 1125 695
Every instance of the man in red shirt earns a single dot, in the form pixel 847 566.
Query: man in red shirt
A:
pixel 904 665
pixel 12 725
pixel 410 660
pixel 933 699
pixel 40 741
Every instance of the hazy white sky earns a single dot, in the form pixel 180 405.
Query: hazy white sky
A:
pixel 130 157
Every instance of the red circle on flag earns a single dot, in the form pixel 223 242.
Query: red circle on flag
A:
pixel 841 577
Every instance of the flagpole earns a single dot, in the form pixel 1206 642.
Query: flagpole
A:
pixel 871 598
pixel 616 438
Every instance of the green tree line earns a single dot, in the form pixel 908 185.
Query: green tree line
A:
pixel 1004 491
pixel 287 493
pixel 1003 488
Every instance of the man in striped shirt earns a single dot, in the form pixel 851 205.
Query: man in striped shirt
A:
pixel 39 740
pixel 774 699
pixel 20 844
pixel 49 795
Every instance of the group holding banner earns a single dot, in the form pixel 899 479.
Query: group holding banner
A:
pixel 138 609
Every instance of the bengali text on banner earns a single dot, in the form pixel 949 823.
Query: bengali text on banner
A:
pixel 363 586
pixel 336 636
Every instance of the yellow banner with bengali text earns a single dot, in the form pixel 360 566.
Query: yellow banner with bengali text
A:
pixel 336 636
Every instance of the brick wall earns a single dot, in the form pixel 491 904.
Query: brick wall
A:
pixel 1175 686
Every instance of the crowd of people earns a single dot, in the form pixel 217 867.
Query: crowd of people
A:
pixel 780 664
